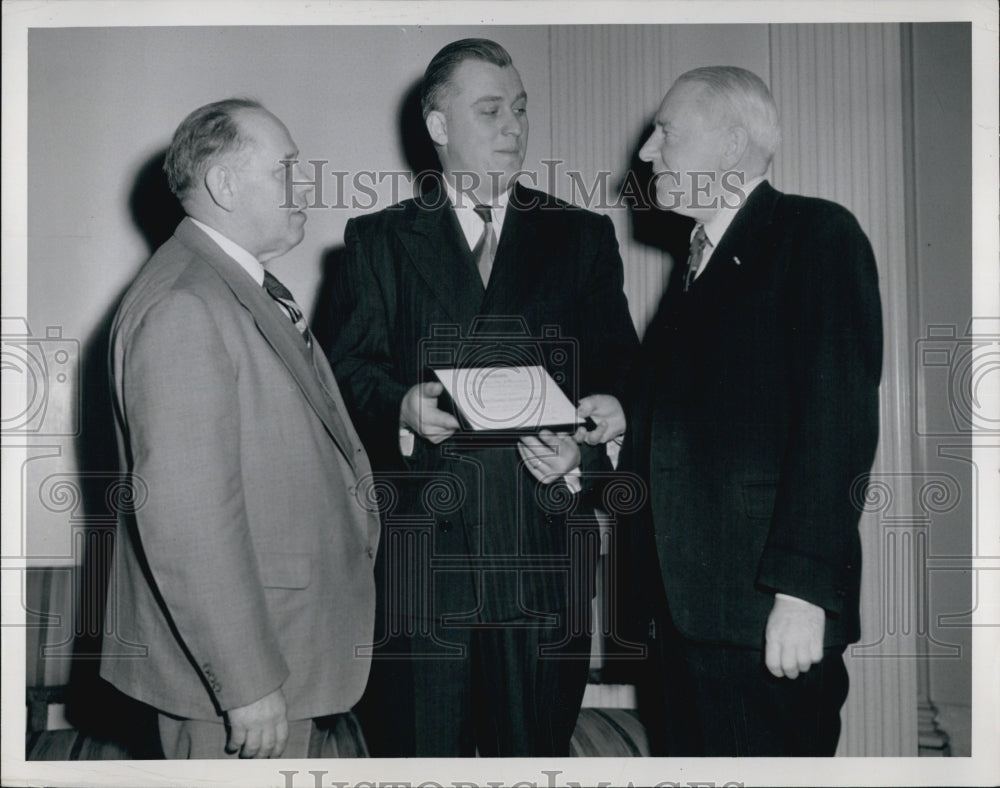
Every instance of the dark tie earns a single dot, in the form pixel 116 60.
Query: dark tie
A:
pixel 698 243
pixel 486 246
pixel 284 299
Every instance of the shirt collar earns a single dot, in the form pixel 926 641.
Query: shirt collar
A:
pixel 465 210
pixel 247 261
pixel 716 227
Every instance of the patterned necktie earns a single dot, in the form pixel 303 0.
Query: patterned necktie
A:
pixel 284 299
pixel 486 246
pixel 698 243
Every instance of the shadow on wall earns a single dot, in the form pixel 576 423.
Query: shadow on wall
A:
pixel 417 146
pixel 93 705
pixel 155 210
pixel 421 158
pixel 664 230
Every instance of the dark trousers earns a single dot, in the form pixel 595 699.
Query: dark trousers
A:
pixel 712 700
pixel 508 689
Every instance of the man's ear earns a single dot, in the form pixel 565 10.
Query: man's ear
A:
pixel 737 141
pixel 220 186
pixel 437 127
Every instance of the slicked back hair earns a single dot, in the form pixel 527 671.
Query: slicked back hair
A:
pixel 745 100
pixel 437 77
pixel 204 136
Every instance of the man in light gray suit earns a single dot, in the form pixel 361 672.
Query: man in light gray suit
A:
pixel 245 570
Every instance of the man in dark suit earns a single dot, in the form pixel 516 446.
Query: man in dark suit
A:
pixel 755 422
pixel 485 622
pixel 246 567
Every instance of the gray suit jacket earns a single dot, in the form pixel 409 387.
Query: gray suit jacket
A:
pixel 247 562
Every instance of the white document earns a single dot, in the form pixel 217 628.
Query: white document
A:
pixel 508 398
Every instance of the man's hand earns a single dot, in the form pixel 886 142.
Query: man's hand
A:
pixel 549 456
pixel 793 637
pixel 259 729
pixel 420 413
pixel 608 416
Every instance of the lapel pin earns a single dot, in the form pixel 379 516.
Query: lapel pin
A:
pixel 737 261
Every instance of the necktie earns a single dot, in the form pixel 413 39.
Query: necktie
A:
pixel 698 243
pixel 284 299
pixel 486 246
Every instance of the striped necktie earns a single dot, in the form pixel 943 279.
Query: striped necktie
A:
pixel 486 246
pixel 284 299
pixel 698 243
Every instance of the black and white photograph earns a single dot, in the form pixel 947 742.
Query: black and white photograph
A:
pixel 500 394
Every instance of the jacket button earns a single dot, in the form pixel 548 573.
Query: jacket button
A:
pixel 549 519
pixel 444 526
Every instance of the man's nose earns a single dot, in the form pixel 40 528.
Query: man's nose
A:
pixel 648 151
pixel 513 124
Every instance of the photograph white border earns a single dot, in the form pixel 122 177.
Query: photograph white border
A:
pixel 983 768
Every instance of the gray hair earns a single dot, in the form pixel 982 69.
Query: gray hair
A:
pixel 204 136
pixel 745 100
pixel 437 77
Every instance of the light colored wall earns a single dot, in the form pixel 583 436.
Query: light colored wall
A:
pixel 104 100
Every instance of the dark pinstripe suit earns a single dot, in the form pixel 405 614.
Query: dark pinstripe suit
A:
pixel 501 550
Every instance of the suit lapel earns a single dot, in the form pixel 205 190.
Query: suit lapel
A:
pixel 740 247
pixel 517 265
pixel 438 251
pixel 278 331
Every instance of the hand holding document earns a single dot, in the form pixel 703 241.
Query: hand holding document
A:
pixel 608 416
pixel 419 414
pixel 509 399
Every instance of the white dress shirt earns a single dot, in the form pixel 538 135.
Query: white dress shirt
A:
pixel 468 219
pixel 247 261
